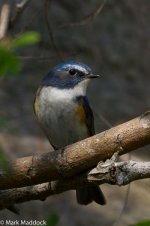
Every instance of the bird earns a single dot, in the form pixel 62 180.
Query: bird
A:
pixel 63 112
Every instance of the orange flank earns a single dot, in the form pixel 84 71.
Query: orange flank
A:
pixel 81 113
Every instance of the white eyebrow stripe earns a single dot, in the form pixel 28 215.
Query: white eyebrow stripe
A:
pixel 77 67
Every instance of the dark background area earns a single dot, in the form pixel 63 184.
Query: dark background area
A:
pixel 116 45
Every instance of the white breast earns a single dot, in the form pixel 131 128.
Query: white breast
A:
pixel 56 112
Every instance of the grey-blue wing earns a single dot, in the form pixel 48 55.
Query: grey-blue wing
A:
pixel 90 192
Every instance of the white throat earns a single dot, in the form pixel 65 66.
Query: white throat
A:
pixel 57 94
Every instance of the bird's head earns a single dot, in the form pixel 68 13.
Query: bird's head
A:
pixel 68 75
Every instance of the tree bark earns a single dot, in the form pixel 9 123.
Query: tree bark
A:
pixel 79 157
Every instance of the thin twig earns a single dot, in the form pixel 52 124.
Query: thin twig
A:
pixel 88 19
pixel 102 118
pixel 36 58
pixel 42 58
pixel 50 31
pixel 125 202
pixel 18 11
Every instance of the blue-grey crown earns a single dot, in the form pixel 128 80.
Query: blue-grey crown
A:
pixel 66 75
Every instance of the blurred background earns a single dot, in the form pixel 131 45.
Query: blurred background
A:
pixel 115 43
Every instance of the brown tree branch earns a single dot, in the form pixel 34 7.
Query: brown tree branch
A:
pixel 111 172
pixel 79 157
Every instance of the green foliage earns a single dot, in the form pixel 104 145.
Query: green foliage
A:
pixel 52 219
pixel 9 63
pixel 143 223
pixel 25 39
pixel 4 164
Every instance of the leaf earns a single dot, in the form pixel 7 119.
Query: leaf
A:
pixel 25 39
pixel 4 164
pixel 8 62
pixel 143 223
pixel 52 219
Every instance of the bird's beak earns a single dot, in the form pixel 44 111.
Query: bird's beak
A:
pixel 92 76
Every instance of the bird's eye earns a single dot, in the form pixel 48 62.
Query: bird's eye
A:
pixel 72 71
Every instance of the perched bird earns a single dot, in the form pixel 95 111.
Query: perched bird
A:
pixel 62 109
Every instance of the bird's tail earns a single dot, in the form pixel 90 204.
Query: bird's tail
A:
pixel 90 192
